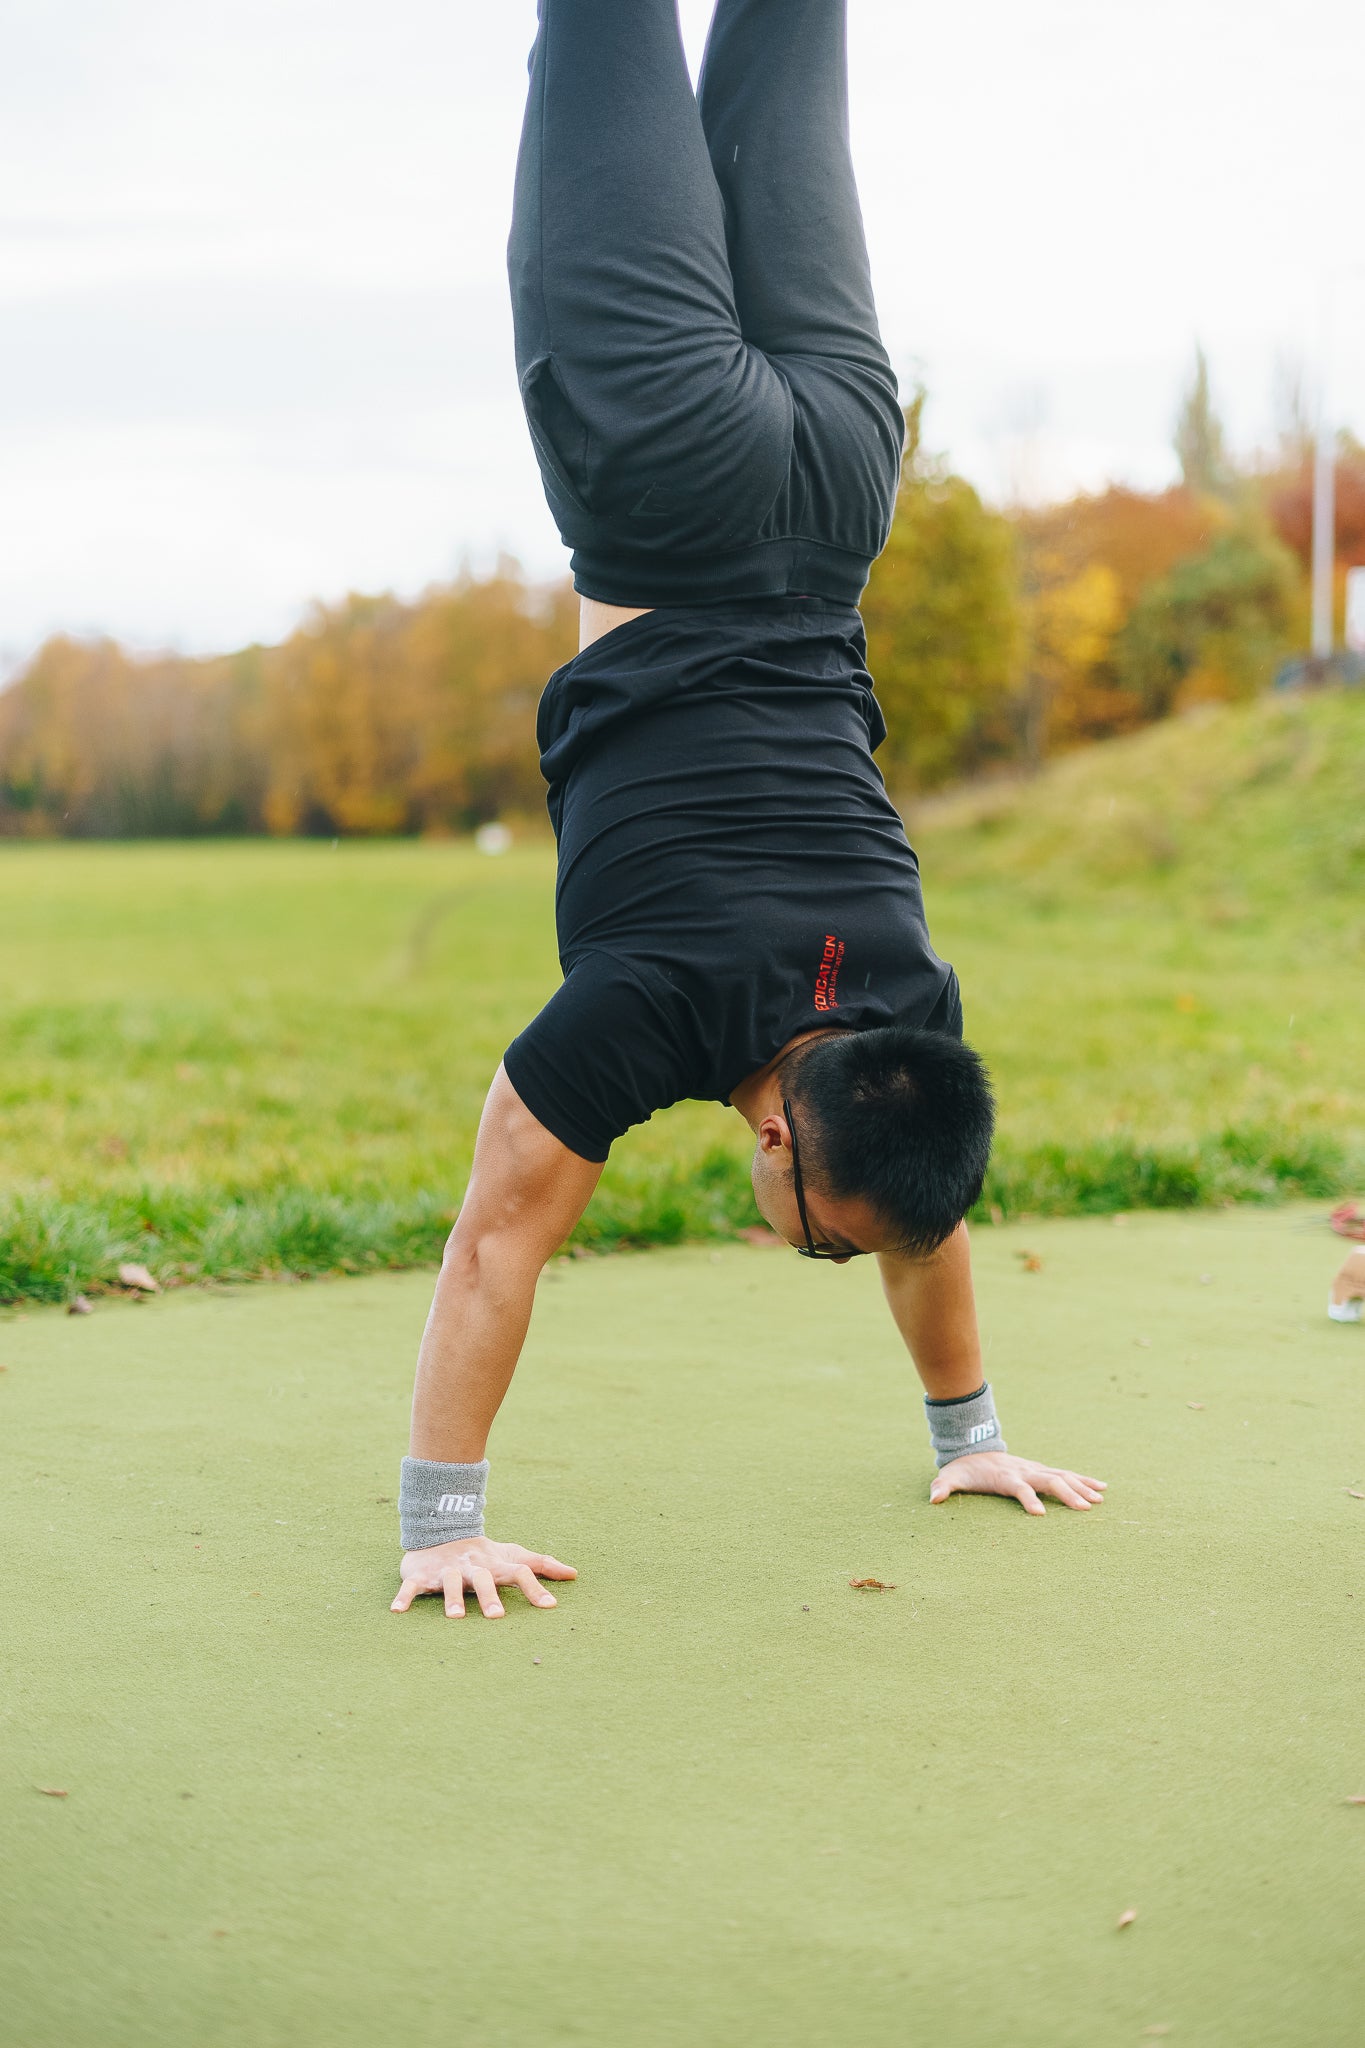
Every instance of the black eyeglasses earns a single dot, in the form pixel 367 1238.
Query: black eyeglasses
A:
pixel 810 1249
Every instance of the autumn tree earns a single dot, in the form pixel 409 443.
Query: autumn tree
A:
pixel 1215 627
pixel 942 618
pixel 1199 439
pixel 1084 565
pixel 94 743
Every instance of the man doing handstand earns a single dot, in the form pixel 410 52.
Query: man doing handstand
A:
pixel 739 912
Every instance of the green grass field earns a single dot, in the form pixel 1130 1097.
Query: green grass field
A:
pixel 241 1058
pixel 716 1799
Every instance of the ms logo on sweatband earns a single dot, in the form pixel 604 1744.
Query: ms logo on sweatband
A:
pixel 440 1503
pixel 957 1428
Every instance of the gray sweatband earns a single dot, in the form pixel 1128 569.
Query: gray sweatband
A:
pixel 957 1428
pixel 440 1503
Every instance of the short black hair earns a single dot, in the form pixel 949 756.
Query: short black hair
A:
pixel 899 1117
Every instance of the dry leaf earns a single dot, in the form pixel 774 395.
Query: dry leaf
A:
pixel 137 1277
pixel 1032 1262
pixel 52 1791
pixel 1194 1404
pixel 1127 1918
pixel 1348 1220
pixel 759 1234
pixel 1352 1798
pixel 1355 1494
pixel 871 1586
pixel 79 1305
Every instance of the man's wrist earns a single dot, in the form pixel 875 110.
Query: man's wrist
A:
pixel 440 1503
pixel 959 1427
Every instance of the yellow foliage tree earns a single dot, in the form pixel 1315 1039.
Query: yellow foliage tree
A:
pixel 942 621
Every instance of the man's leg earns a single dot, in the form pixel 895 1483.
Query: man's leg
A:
pixel 640 392
pixel 774 105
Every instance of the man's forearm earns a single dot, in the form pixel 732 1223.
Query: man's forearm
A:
pixel 525 1194
pixel 470 1347
pixel 934 1308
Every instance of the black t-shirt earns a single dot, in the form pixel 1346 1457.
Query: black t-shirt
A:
pixel 731 869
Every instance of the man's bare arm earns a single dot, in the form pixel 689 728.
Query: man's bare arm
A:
pixel 526 1192
pixel 933 1304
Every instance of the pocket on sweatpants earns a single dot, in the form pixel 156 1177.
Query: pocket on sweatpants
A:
pixel 558 434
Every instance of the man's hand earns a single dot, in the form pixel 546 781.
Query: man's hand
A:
pixel 482 1566
pixel 1023 1479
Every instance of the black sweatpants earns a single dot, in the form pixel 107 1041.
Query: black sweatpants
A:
pixel 711 405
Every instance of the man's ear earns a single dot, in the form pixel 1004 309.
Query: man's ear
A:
pixel 773 1134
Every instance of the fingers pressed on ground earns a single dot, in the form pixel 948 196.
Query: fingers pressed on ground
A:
pixel 452 1585
pixel 530 1585
pixel 482 1586
pixel 550 1567
pixel 1028 1499
pixel 407 1593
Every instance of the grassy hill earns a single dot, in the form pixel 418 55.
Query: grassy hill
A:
pixel 1248 806
pixel 254 1057
pixel 1162 940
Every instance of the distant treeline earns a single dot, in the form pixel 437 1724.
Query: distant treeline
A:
pixel 995 638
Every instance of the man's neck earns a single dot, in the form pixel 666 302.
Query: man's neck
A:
pixel 760 1094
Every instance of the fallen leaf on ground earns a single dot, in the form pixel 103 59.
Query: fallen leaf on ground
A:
pixel 1352 1798
pixel 1348 1220
pixel 80 1306
pixel 137 1277
pixel 758 1233
pixel 1355 1493
pixel 1194 1404
pixel 1127 1918
pixel 52 1791
pixel 872 1586
pixel 1032 1262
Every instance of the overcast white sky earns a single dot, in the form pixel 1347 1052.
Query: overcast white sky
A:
pixel 254 341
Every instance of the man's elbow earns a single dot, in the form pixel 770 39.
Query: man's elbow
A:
pixel 496 1262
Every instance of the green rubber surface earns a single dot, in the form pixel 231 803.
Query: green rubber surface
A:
pixel 735 1802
